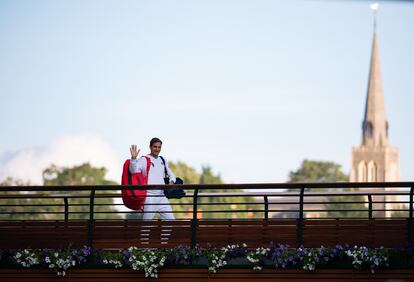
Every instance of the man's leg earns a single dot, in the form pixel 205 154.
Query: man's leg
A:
pixel 150 207
pixel 149 213
pixel 166 213
pixel 165 209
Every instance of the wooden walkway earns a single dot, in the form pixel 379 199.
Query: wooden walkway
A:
pixel 120 234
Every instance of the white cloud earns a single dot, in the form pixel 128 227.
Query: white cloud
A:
pixel 28 164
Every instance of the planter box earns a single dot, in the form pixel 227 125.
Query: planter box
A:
pixel 201 274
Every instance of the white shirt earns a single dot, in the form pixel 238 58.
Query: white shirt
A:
pixel 156 171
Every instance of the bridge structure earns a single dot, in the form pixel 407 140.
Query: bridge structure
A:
pixel 308 215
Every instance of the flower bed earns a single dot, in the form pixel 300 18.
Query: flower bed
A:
pixel 152 260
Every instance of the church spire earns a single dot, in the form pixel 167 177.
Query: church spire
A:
pixel 375 125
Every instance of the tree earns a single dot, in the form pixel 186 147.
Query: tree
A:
pixel 20 208
pixel 207 176
pixel 188 174
pixel 347 206
pixel 10 181
pixel 191 176
pixel 52 207
pixel 84 174
pixel 320 171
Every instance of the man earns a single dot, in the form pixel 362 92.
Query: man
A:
pixel 155 201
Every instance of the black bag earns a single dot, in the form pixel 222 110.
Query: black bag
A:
pixel 172 192
pixel 175 192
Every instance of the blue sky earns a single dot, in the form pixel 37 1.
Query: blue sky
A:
pixel 248 87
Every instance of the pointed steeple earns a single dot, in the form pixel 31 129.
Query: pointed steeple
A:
pixel 375 124
pixel 374 160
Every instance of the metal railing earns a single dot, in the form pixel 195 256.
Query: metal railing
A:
pixel 301 201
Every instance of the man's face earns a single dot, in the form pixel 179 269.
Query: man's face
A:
pixel 155 149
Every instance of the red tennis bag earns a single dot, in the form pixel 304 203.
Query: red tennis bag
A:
pixel 134 199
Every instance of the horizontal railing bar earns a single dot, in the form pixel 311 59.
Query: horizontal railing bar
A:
pixel 207 211
pixel 217 186
pixel 208 204
pixel 209 219
pixel 269 194
pixel 230 220
pixel 214 211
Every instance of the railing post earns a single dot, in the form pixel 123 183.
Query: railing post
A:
pixel 369 206
pixel 266 207
pixel 65 199
pixel 299 224
pixel 195 219
pixel 410 223
pixel 91 225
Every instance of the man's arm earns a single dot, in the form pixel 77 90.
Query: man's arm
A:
pixel 170 173
pixel 136 165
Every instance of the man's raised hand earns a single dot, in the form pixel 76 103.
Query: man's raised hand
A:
pixel 134 151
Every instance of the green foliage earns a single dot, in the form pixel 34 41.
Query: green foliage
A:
pixel 318 171
pixel 53 208
pixel 185 172
pixel 9 181
pixel 84 174
pixel 207 176
pixel 20 208
pixel 347 206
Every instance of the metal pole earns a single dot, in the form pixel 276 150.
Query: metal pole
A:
pixel 65 199
pixel 195 219
pixel 369 206
pixel 266 208
pixel 410 224
pixel 90 225
pixel 299 225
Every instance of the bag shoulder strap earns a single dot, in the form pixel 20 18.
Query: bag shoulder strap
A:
pixel 148 168
pixel 128 173
pixel 165 167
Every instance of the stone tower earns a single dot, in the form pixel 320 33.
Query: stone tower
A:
pixel 374 160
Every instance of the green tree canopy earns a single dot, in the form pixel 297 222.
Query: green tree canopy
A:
pixel 321 171
pixel 84 174
pixel 318 171
pixel 52 207
pixel 187 173
pixel 22 208
pixel 10 181
pixel 207 176
pixel 12 208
